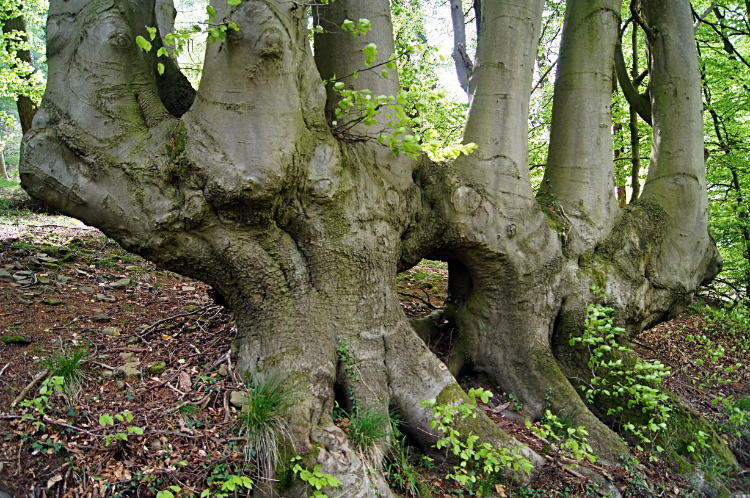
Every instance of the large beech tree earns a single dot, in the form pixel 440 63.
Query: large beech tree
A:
pixel 244 186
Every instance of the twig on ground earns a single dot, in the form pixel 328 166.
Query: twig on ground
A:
pixel 153 326
pixel 3 370
pixel 44 373
pixel 186 403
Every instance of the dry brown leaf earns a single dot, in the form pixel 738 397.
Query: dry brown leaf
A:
pixel 185 382
pixel 54 480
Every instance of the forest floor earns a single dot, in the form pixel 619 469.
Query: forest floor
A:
pixel 147 410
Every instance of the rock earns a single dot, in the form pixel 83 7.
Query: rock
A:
pixel 71 308
pixel 132 339
pixel 237 399
pixel 23 273
pixel 102 297
pixel 158 367
pixel 223 370
pixel 132 268
pixel 23 301
pixel 120 284
pixel 51 301
pixel 16 339
pixel 131 371
pixel 120 385
pixel 62 279
pixel 44 280
pixel 187 288
pixel 155 446
pixel 87 290
pixel 111 331
pixel 5 275
pixel 102 318
pixel 3 494
pixel 127 357
pixel 108 374
pixel 45 259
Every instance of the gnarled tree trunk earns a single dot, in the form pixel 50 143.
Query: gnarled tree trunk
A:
pixel 243 185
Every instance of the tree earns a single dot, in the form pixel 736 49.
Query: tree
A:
pixel 243 185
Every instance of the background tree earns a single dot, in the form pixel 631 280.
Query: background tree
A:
pixel 243 185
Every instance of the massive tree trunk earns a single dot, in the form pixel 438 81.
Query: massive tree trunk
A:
pixel 244 186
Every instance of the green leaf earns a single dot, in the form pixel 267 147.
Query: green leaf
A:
pixel 106 420
pixel 234 2
pixel 135 430
pixel 211 12
pixel 143 43
pixel 151 32
pixel 160 68
pixel 162 52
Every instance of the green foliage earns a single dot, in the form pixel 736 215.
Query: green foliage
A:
pixel 636 385
pixel 570 441
pixel 123 417
pixel 369 430
pixel 222 484
pixel 262 421
pixel 314 478
pixel 66 365
pixel 476 458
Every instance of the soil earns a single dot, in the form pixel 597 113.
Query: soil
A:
pixel 148 409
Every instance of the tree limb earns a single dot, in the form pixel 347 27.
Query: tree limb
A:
pixel 639 102
pixel 464 65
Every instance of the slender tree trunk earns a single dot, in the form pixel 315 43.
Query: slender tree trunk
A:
pixel 464 65
pixel 635 142
pixel 26 107
pixel 2 166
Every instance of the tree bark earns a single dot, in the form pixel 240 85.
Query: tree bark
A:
pixel 2 166
pixel 635 141
pixel 244 186
pixel 463 62
pixel 26 107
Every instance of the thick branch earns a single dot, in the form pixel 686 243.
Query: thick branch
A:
pixel 26 107
pixel 639 103
pixel 464 65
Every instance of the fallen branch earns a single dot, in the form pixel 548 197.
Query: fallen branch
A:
pixel 42 375
pixel 186 403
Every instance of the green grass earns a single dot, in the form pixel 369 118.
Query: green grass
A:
pixel 370 431
pixel 67 364
pixel 262 420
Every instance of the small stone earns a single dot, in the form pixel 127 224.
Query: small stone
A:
pixel 97 310
pixel 102 318
pixel 187 288
pixel 16 339
pixel 44 280
pixel 71 308
pixel 155 446
pixel 120 385
pixel 111 331
pixel 158 367
pixel 5 275
pixel 51 301
pixel 45 259
pixel 127 357
pixel 87 290
pixel 51 265
pixel 108 374
pixel 23 273
pixel 120 284
pixel 62 279
pixel 223 370
pixel 131 371
pixel 164 299
pixel 132 268
pixel 132 339
pixel 237 399
pixel 24 301
pixel 102 297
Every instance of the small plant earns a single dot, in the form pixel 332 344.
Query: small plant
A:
pixel 476 457
pixel 222 485
pixel 611 377
pixel 517 405
pixel 169 492
pixel 369 431
pixel 316 478
pixel 569 440
pixel 124 416
pixel 262 421
pixel 68 367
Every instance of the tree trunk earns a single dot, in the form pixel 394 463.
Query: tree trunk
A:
pixel 26 107
pixel 244 186
pixel 2 166
pixel 635 141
